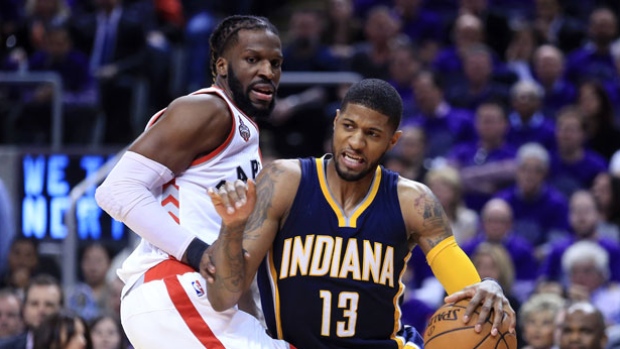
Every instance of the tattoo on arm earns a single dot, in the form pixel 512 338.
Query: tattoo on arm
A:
pixel 435 224
pixel 265 188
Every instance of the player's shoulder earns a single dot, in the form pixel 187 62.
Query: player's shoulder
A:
pixel 279 181
pixel 203 103
pixel 283 170
pixel 410 188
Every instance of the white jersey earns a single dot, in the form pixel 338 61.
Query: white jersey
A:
pixel 185 198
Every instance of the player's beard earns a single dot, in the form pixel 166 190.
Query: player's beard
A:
pixel 242 98
pixel 352 177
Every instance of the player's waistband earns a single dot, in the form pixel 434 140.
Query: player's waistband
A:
pixel 166 268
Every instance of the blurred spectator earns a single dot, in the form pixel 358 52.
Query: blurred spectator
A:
pixel 581 325
pixel 403 67
pixel 496 228
pixel 39 15
pixel 342 28
pixel 487 164
pixel 468 31
pixel 116 43
pixel 601 134
pixel 540 211
pixel 11 16
pixel 298 114
pixel 520 50
pixel 606 193
pixel 106 333
pixel 586 264
pixel 497 27
pixel 79 95
pixel 444 125
pixel 7 227
pixel 584 220
pixel 556 28
pixel 423 27
pixel 594 60
pixel 537 318
pixel 516 9
pixel 445 183
pixel 23 262
pixel 90 297
pixel 11 323
pixel 493 261
pixel 478 85
pixel 43 297
pixel 63 330
pixel 408 156
pixel 573 166
pixel 527 122
pixel 200 20
pixel 371 57
pixel 548 66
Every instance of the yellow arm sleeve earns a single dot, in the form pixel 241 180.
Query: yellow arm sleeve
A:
pixel 451 266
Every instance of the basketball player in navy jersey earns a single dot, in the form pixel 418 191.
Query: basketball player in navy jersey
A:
pixel 332 236
pixel 158 189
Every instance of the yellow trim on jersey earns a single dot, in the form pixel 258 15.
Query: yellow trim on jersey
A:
pixel 276 294
pixel 451 266
pixel 343 220
pixel 398 312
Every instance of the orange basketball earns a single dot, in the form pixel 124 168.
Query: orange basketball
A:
pixel 446 330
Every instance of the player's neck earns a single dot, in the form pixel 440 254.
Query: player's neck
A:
pixel 348 194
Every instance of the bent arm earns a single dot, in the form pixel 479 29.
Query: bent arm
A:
pixel 165 149
pixel 429 227
pixel 276 185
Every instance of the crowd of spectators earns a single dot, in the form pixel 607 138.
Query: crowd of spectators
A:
pixel 511 117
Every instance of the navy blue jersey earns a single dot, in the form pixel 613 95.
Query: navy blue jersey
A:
pixel 331 280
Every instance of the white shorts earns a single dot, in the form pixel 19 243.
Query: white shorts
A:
pixel 173 312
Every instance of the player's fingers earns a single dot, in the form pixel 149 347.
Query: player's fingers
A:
pixel 225 194
pixel 513 317
pixel 498 317
pixel 471 307
pixel 240 190
pixel 251 191
pixel 485 311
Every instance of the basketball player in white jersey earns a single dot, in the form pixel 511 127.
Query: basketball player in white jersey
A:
pixel 159 190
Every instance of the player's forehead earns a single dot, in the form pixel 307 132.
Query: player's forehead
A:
pixel 260 40
pixel 364 116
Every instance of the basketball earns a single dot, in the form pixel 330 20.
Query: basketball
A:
pixel 446 329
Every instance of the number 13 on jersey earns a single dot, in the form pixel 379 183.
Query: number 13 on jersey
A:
pixel 347 301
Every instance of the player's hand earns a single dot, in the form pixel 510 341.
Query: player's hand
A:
pixel 489 294
pixel 207 264
pixel 234 201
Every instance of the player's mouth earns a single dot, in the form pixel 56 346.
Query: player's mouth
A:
pixel 352 161
pixel 262 93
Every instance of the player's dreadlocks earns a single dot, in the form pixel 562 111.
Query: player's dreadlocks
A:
pixel 227 33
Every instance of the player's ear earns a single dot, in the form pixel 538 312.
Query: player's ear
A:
pixel 221 65
pixel 394 139
pixel 336 117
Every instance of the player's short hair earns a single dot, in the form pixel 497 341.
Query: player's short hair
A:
pixel 377 95
pixel 227 33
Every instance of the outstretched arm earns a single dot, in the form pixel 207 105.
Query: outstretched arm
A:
pixel 251 216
